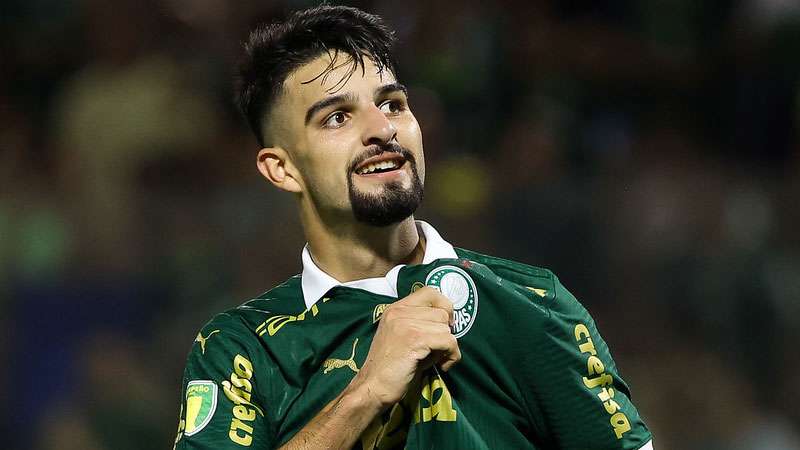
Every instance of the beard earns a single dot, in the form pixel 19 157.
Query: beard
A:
pixel 394 203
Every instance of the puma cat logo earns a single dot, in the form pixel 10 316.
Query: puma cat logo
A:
pixel 334 363
pixel 202 340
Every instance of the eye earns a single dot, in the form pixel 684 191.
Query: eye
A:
pixel 335 120
pixel 391 107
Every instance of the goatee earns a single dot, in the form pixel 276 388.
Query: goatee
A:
pixel 394 203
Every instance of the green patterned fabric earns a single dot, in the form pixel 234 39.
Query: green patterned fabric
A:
pixel 534 374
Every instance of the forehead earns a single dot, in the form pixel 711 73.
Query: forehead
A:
pixel 325 76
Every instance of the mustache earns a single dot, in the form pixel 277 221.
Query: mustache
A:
pixel 376 150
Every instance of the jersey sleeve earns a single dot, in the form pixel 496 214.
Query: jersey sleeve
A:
pixel 223 401
pixel 574 391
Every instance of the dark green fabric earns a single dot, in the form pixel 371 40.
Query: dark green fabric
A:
pixel 524 380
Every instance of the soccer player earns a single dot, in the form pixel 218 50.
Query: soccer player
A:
pixel 390 337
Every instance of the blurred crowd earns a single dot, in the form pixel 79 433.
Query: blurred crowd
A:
pixel 645 151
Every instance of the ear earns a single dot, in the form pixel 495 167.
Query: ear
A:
pixel 275 165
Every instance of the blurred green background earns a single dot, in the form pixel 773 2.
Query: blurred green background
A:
pixel 646 151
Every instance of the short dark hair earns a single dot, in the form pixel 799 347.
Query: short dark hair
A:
pixel 275 50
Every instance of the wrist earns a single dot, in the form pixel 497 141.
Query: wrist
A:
pixel 359 395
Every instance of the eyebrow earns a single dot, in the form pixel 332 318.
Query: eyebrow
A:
pixel 349 97
pixel 389 88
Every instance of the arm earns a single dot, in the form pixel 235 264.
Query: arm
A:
pixel 339 424
pixel 222 404
pixel 414 334
pixel 574 385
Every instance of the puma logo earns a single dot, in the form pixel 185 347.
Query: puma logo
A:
pixel 334 363
pixel 202 340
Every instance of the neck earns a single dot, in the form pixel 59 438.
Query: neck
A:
pixel 354 251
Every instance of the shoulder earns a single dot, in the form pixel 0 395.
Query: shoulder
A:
pixel 241 323
pixel 540 282
pixel 232 344
pixel 228 365
pixel 505 265
pixel 571 386
pixel 285 298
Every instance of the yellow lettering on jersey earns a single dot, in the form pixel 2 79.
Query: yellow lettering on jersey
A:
pixel 598 378
pixel 242 366
pixel 378 312
pixel 594 365
pixel 243 383
pixel 441 409
pixel 428 399
pixel 242 439
pixel 239 390
pixel 275 323
pixel 242 413
pixel 621 424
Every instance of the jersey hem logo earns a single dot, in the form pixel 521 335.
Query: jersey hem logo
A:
pixel 456 284
pixel 201 402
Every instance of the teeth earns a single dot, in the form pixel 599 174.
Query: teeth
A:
pixel 382 165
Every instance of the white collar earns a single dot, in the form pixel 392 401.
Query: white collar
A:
pixel 316 283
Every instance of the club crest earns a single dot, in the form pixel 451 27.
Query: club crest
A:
pixel 455 284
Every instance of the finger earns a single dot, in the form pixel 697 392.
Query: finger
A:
pixel 422 313
pixel 428 296
pixel 444 342
pixel 447 351
pixel 423 333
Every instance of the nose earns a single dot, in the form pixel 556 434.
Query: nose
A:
pixel 378 129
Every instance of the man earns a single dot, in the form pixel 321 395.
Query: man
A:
pixel 390 337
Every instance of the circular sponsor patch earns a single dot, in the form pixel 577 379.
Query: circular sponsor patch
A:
pixel 458 287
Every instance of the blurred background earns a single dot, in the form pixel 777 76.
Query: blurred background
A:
pixel 646 151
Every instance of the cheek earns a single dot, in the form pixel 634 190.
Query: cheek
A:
pixel 409 126
pixel 325 165
pixel 410 136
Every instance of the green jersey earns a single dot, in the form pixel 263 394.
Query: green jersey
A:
pixel 534 373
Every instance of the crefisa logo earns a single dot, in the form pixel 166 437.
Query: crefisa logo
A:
pixel 456 285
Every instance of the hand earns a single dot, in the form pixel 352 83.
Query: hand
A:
pixel 413 334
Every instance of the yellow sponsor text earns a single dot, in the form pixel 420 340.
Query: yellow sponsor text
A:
pixel 436 403
pixel 597 378
pixel 378 312
pixel 426 401
pixel 239 390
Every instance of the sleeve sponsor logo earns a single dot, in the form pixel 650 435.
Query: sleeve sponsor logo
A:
pixel 458 286
pixel 598 379
pixel 201 402
pixel 239 390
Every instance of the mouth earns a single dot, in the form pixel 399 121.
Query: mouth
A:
pixel 381 164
